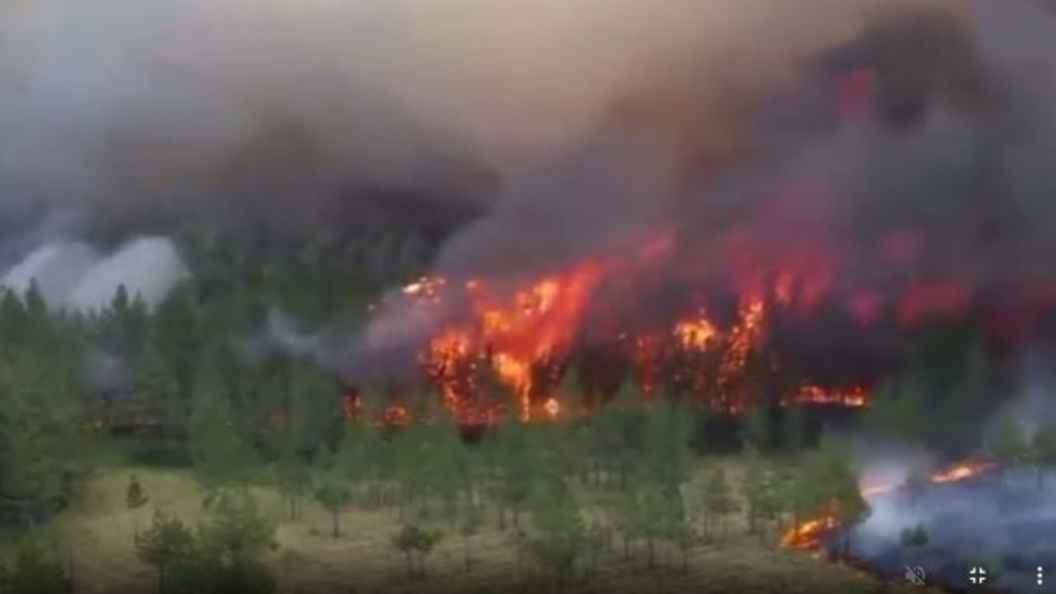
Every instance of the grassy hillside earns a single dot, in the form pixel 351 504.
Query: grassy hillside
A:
pixel 100 530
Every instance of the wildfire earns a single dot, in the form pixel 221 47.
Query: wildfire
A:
pixel 964 471
pixel 856 396
pixel 696 333
pixel 808 534
pixel 503 347
pixel 510 346
pixel 511 335
pixel 552 408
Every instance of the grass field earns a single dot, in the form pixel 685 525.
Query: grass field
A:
pixel 99 530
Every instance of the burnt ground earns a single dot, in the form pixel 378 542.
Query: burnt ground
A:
pixel 1003 523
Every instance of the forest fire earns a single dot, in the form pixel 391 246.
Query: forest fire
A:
pixel 808 534
pixel 509 350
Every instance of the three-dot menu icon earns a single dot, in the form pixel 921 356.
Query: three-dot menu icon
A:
pixel 1041 576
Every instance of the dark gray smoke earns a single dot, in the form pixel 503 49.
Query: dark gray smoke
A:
pixel 912 146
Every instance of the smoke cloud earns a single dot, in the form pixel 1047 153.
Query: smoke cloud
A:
pixel 124 109
pixel 898 140
pixel 75 276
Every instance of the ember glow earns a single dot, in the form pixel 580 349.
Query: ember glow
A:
pixel 808 534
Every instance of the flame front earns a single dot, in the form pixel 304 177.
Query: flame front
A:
pixel 513 346
pixel 508 337
pixel 809 534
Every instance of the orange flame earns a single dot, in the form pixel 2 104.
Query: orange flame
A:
pixel 808 534
pixel 510 334
pixel 552 407
pixel 516 339
pixel 856 396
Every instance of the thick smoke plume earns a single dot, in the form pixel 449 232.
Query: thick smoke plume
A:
pixel 895 156
pixel 883 142
pixel 121 108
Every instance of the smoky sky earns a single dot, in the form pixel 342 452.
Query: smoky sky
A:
pixel 243 109
pixel 572 126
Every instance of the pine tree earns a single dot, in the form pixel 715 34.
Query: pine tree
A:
pixel 34 571
pixel 135 498
pixel 236 531
pixel 222 455
pixel 332 490
pixel 152 379
pixel 44 435
pixel 834 471
pixel 167 542
pixel 719 502
pixel 898 409
pixel 915 537
pixel 560 529
pixel 416 544
pixel 760 490
pixel 470 525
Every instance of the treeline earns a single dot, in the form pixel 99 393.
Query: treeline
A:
pixel 625 484
pixel 245 422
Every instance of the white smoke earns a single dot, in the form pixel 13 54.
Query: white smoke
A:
pixel 76 277
pixel 149 268
pixel 56 268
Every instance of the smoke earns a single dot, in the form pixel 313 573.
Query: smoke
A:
pixel 577 128
pixel 56 268
pixel 1002 524
pixel 148 268
pixel 771 152
pixel 75 276
pixel 124 109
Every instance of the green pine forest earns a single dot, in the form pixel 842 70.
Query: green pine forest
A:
pixel 631 486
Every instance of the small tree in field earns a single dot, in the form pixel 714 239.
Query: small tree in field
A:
pixel 469 527
pixel 560 530
pixel 719 502
pixel 135 498
pixel 416 544
pixel 834 471
pixel 34 571
pixel 915 537
pixel 167 542
pixel 753 486
pixel 333 492
pixel 237 533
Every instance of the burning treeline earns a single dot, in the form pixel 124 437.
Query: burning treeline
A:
pixel 781 278
pixel 561 343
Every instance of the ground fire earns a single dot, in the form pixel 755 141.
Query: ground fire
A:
pixel 809 534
